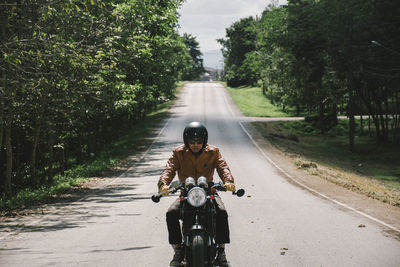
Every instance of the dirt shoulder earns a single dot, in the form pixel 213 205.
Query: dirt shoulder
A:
pixel 351 192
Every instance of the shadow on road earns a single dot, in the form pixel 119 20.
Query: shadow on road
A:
pixel 118 250
pixel 81 207
pixel 77 213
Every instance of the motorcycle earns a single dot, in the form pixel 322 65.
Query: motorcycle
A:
pixel 198 213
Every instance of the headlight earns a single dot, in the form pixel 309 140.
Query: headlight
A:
pixel 202 182
pixel 197 197
pixel 189 183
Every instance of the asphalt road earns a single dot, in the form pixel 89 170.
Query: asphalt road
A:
pixel 275 224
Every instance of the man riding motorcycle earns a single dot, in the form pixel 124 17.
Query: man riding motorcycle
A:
pixel 194 159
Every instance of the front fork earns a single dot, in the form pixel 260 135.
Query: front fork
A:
pixel 210 248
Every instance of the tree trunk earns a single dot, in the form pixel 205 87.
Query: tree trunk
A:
pixel 1 134
pixel 9 155
pixel 387 112
pixel 1 123
pixel 271 95
pixel 264 90
pixel 35 178
pixel 383 133
pixel 79 157
pixel 50 174
pixel 4 16
pixel 3 83
pixel 369 124
pixel 396 117
pixel 375 119
pixel 321 124
pixel 64 157
pixel 369 101
pixel 351 119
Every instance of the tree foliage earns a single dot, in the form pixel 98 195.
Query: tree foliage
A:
pixel 76 73
pixel 323 57
pixel 195 66
pixel 239 42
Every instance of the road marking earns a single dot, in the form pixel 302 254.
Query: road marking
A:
pixel 314 191
pixel 305 186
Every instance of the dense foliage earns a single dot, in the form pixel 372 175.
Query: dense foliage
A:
pixel 195 68
pixel 240 42
pixel 323 57
pixel 74 74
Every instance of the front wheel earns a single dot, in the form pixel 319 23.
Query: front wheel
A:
pixel 198 251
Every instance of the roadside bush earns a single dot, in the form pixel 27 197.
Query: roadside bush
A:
pixel 308 128
pixel 293 137
pixel 324 122
pixel 338 130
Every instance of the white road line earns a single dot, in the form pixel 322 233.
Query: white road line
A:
pixel 314 191
pixel 305 186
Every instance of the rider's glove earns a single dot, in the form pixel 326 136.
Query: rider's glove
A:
pixel 163 190
pixel 230 186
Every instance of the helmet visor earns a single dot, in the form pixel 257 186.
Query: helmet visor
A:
pixel 192 141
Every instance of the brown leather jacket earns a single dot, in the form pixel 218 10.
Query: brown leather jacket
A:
pixel 187 164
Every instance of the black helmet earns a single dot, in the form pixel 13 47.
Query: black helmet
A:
pixel 195 130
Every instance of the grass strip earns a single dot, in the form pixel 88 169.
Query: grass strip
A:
pixel 252 103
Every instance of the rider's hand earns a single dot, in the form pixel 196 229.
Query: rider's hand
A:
pixel 163 190
pixel 230 186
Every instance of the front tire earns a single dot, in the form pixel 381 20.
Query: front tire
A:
pixel 198 251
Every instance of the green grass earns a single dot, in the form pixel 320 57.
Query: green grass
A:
pixel 134 138
pixel 253 103
pixel 380 161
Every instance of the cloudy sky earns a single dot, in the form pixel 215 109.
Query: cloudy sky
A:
pixel 208 19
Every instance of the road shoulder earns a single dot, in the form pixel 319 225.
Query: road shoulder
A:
pixel 383 214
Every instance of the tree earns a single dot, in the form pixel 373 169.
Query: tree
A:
pixel 74 74
pixel 195 69
pixel 324 57
pixel 240 40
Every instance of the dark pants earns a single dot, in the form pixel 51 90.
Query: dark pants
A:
pixel 174 228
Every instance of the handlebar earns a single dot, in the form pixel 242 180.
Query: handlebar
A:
pixel 221 187
pixel 156 197
pixel 218 186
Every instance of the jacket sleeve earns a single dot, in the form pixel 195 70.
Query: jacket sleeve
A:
pixel 169 171
pixel 223 169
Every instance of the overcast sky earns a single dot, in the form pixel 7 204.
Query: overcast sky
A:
pixel 208 19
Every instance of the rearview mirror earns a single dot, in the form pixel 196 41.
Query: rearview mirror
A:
pixel 240 192
pixel 174 184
